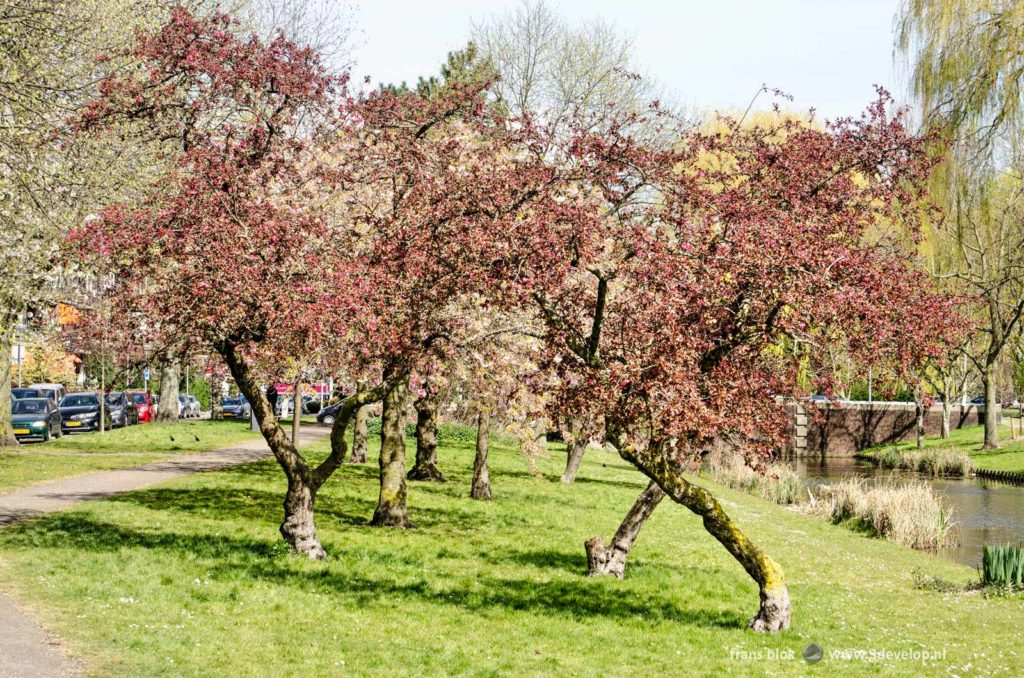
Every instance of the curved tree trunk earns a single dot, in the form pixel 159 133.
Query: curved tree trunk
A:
pixel 611 559
pixel 7 438
pixel 359 436
pixel 991 430
pixel 659 466
pixel 481 485
pixel 170 376
pixel 391 504
pixel 426 467
pixel 298 527
pixel 575 452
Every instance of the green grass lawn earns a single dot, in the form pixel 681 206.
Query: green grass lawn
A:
pixel 86 452
pixel 192 579
pixel 1009 457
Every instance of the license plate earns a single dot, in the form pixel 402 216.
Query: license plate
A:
pixel 74 423
pixel 21 431
pixel 228 414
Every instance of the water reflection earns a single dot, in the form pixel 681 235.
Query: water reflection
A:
pixel 985 511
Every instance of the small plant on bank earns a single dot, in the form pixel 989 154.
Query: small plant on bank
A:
pixel 1002 566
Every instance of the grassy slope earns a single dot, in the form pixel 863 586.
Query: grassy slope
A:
pixel 1009 457
pixel 191 579
pixel 120 448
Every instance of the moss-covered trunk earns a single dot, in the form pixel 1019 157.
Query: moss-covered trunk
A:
pixel 659 464
pixel 391 504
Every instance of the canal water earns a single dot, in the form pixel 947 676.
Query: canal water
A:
pixel 984 511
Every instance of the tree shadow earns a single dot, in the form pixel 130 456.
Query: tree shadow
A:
pixel 579 597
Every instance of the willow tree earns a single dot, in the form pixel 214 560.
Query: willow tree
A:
pixel 966 72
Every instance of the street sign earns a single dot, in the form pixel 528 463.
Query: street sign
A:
pixel 145 374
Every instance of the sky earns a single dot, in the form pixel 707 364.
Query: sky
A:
pixel 709 54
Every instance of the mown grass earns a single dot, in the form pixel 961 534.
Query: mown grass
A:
pixel 969 440
pixel 120 448
pixel 191 579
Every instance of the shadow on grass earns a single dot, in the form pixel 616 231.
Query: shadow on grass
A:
pixel 234 557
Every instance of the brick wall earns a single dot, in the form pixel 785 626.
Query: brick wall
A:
pixel 845 429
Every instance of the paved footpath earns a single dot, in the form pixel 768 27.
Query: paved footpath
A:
pixel 26 650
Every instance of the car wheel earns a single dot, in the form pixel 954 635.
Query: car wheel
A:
pixel 329 420
pixel 46 435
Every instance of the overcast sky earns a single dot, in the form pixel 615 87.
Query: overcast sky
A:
pixel 709 53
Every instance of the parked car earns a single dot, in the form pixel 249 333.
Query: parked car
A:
pixel 310 404
pixel 54 392
pixel 144 404
pixel 193 402
pixel 329 413
pixel 35 418
pixel 123 410
pixel 19 393
pixel 188 406
pixel 235 408
pixel 81 412
pixel 980 400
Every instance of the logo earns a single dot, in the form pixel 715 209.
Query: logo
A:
pixel 813 653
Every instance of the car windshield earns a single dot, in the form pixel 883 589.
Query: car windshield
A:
pixel 139 398
pixel 230 401
pixel 79 401
pixel 28 407
pixel 114 398
pixel 26 393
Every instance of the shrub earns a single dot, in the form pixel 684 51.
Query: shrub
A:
pixel 1002 565
pixel 908 513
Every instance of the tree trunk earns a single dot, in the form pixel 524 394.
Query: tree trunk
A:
pixel 659 465
pixel 947 393
pixel 426 440
pixel 481 485
pixel 611 560
pixel 919 418
pixel 572 463
pixel 170 376
pixel 216 406
pixel 991 430
pixel 391 508
pixel 359 436
pixel 298 527
pixel 296 412
pixel 7 438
